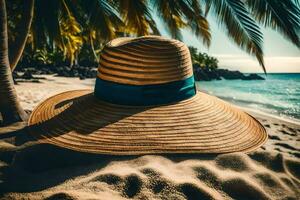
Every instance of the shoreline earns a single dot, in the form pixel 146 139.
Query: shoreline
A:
pixel 61 84
pixel 277 95
pixel 282 130
pixel 256 111
pixel 263 114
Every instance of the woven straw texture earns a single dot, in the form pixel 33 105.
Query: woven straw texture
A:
pixel 145 61
pixel 202 124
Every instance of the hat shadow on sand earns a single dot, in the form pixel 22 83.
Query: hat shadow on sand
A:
pixel 40 166
pixel 34 165
pixel 77 116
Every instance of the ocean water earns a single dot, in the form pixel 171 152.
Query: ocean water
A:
pixel 279 94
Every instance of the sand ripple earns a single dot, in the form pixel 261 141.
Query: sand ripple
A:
pixel 34 174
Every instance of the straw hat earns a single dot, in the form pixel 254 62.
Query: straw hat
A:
pixel 145 102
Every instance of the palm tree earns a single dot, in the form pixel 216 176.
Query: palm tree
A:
pixel 103 20
pixel 203 60
pixel 239 18
pixel 194 53
pixel 17 46
pixel 10 109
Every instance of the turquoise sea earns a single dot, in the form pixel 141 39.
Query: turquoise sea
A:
pixel 279 94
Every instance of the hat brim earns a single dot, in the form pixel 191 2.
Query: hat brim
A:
pixel 202 124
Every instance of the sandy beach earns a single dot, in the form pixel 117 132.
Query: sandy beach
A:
pixel 29 170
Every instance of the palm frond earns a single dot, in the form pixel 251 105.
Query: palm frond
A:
pixel 193 14
pixel 240 26
pixel 71 34
pixel 170 13
pixel 45 26
pixel 207 6
pixel 137 17
pixel 179 14
pixel 283 16
pixel 100 16
pixel 153 27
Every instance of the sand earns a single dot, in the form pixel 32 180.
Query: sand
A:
pixel 29 170
pixel 30 93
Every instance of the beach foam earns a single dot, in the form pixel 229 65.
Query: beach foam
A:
pixel 278 94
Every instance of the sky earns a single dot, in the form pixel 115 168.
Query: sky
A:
pixel 280 54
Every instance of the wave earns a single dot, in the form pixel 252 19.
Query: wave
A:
pixel 266 107
pixel 278 95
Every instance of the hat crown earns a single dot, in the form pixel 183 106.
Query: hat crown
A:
pixel 145 71
pixel 145 60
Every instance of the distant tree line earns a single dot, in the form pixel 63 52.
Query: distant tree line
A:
pixel 205 68
pixel 203 60
pixel 44 57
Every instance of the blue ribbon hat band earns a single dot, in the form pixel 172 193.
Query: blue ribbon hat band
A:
pixel 144 95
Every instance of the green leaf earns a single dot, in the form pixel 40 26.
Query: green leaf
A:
pixel 241 28
pixel 137 17
pixel 280 15
pixel 45 26
pixel 170 13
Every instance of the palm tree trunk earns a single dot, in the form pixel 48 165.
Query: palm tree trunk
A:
pixel 10 109
pixel 17 48
pixel 93 48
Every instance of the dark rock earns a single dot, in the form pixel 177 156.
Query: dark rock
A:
pixel 77 71
pixel 81 77
pixel 230 75
pixel 16 75
pixel 32 70
pixel 27 75
pixel 203 74
pixel 214 74
pixel 88 71
pixel 206 74
pixel 46 70
pixel 253 77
